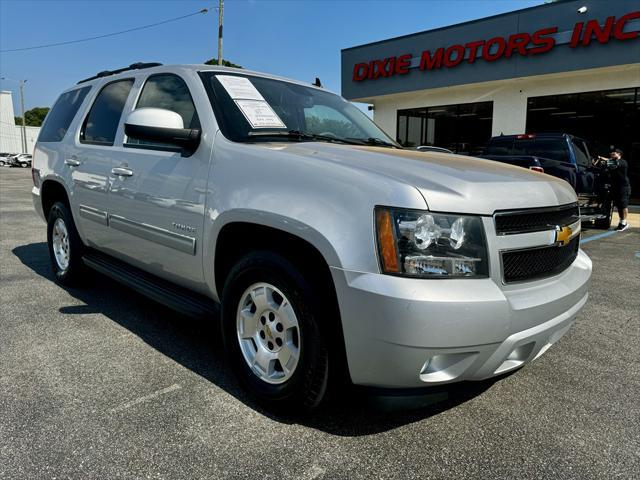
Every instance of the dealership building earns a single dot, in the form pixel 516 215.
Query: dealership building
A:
pixel 569 66
pixel 12 136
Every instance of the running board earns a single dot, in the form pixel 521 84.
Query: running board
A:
pixel 157 289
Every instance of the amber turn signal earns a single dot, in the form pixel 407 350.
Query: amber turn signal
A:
pixel 387 242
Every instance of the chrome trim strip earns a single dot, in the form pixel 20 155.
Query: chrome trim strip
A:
pixel 164 237
pixel 525 211
pixel 555 208
pixel 94 215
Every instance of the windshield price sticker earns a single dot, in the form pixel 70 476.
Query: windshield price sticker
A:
pixel 239 88
pixel 259 114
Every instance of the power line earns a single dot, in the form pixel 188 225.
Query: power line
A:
pixel 203 11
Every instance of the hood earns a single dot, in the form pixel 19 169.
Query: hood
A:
pixel 449 183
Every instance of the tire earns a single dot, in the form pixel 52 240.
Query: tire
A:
pixel 276 283
pixel 1 163
pixel 605 223
pixel 64 243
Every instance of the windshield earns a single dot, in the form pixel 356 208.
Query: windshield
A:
pixel 251 109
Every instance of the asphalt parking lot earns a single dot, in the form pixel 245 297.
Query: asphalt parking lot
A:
pixel 99 382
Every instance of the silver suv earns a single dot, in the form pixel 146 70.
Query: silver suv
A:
pixel 330 251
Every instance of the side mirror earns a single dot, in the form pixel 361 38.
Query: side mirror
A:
pixel 163 126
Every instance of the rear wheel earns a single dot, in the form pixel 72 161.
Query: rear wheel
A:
pixel 65 245
pixel 272 332
pixel 2 163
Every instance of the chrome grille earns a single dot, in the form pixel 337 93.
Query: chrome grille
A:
pixel 535 220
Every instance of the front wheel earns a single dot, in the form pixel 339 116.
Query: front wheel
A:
pixel 272 332
pixel 65 245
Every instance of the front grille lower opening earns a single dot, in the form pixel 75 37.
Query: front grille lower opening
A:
pixel 525 265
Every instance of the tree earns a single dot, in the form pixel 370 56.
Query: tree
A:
pixel 225 63
pixel 33 117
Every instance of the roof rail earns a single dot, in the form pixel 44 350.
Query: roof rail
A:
pixel 133 66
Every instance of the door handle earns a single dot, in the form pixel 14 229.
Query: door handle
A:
pixel 72 162
pixel 122 172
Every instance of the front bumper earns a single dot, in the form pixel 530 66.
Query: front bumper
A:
pixel 406 333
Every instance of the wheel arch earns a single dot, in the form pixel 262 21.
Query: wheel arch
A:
pixel 52 191
pixel 236 238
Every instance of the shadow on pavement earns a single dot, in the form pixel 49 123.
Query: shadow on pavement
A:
pixel 196 345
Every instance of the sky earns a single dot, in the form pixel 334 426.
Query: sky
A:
pixel 299 39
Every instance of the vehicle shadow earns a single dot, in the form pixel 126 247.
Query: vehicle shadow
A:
pixel 196 345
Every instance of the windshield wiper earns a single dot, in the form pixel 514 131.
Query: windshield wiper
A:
pixel 374 141
pixel 303 136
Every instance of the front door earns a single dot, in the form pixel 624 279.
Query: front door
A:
pixel 158 194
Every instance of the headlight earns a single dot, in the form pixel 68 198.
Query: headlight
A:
pixel 424 244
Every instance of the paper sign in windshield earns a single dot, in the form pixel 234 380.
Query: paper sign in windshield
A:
pixel 239 88
pixel 259 114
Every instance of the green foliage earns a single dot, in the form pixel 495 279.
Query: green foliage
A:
pixel 33 117
pixel 225 63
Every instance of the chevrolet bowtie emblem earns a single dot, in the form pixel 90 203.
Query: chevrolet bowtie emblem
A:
pixel 563 235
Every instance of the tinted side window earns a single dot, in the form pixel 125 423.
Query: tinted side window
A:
pixel 553 148
pixel 101 124
pixel 581 152
pixel 499 146
pixel 61 115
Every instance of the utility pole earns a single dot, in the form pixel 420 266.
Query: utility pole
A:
pixel 220 15
pixel 24 125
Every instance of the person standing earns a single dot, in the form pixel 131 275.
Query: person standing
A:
pixel 620 188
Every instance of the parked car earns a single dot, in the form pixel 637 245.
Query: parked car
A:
pixel 431 148
pixel 4 159
pixel 332 254
pixel 564 156
pixel 22 160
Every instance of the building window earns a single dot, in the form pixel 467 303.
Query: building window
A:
pixel 605 119
pixel 463 128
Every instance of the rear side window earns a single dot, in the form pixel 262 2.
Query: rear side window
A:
pixel 61 115
pixel 101 124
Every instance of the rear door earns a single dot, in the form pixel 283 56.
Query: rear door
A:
pixel 157 210
pixel 90 158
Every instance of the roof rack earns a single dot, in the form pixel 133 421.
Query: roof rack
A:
pixel 133 66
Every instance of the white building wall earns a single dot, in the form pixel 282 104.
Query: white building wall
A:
pixel 509 97
pixel 10 133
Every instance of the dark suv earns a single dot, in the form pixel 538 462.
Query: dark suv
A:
pixel 564 156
